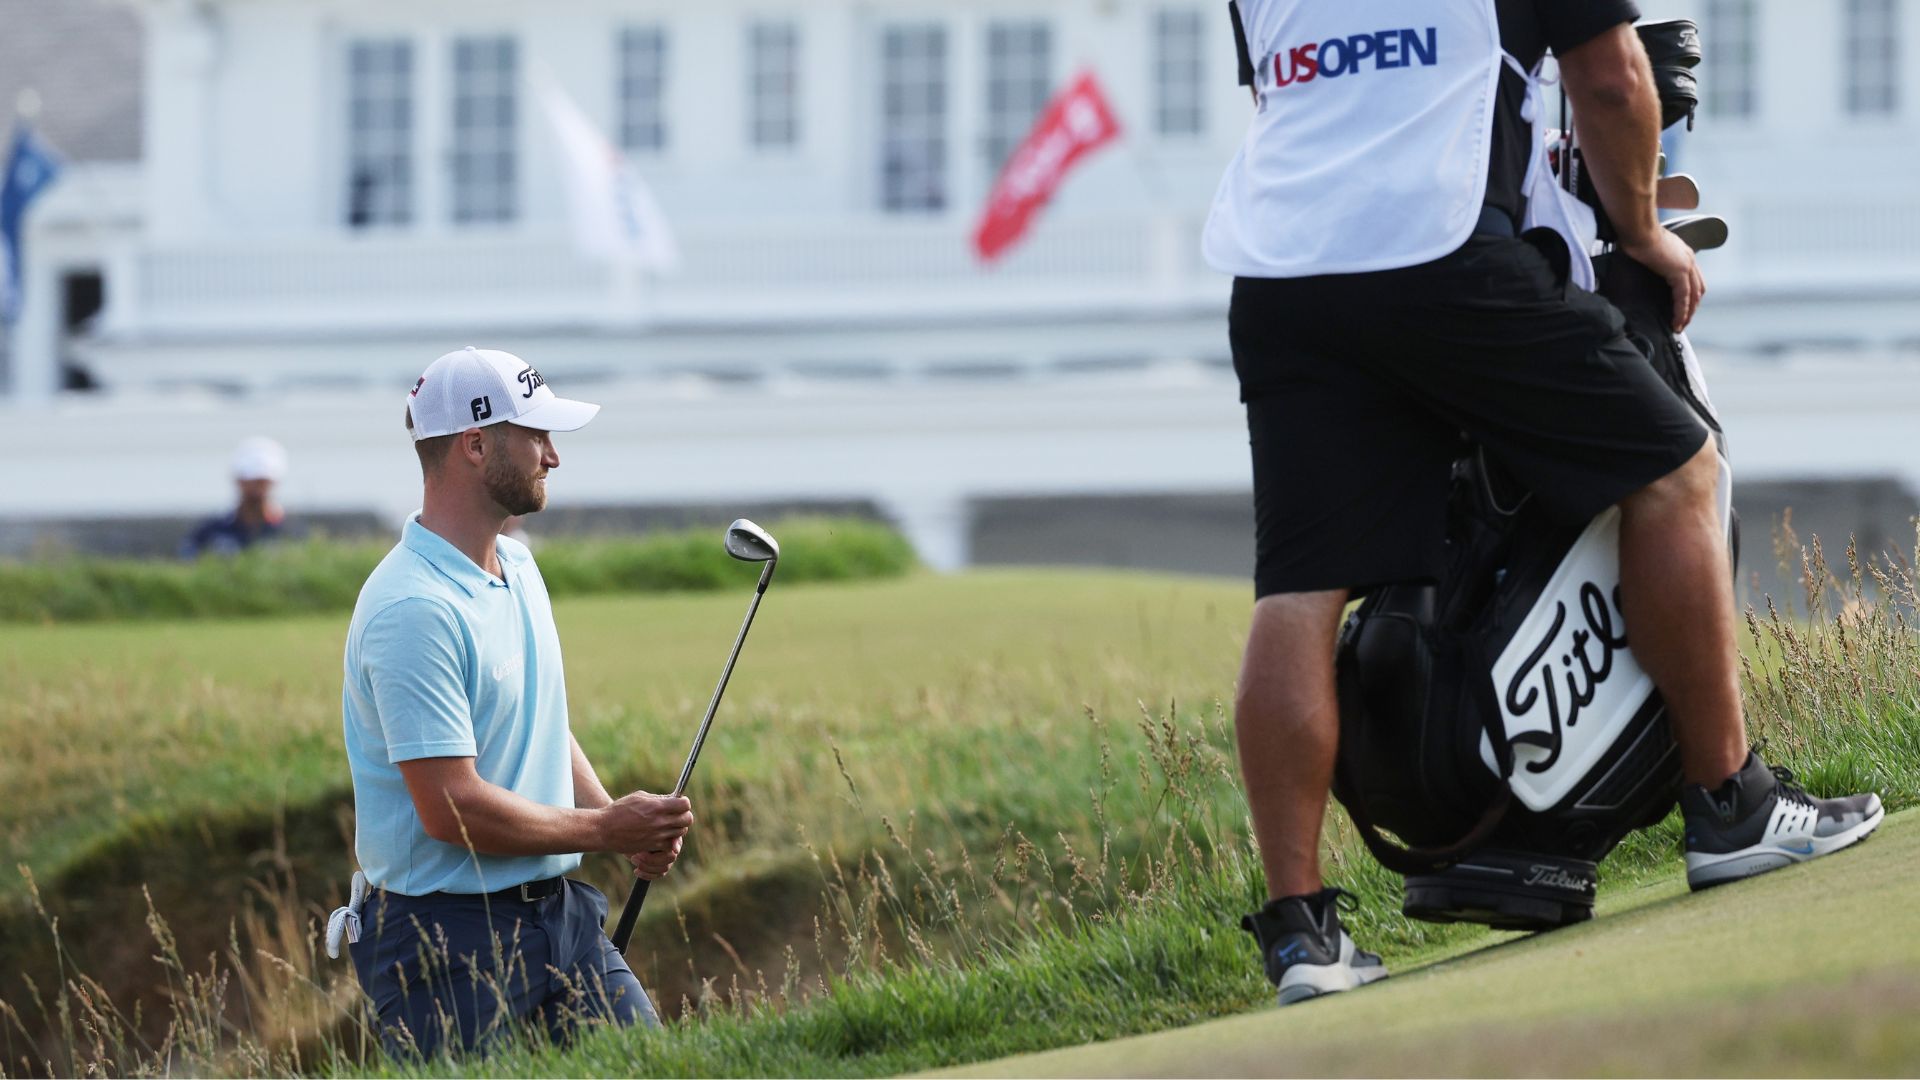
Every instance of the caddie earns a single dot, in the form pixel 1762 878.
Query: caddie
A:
pixel 472 799
pixel 1389 295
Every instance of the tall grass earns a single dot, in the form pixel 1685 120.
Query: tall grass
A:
pixel 1069 878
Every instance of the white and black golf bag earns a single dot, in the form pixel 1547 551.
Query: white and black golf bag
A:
pixel 1496 721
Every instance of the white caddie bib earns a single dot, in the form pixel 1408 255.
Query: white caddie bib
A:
pixel 1370 146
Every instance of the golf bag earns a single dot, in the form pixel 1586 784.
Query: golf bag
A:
pixel 1496 720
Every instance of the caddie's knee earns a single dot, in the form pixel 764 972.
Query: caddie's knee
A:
pixel 1694 482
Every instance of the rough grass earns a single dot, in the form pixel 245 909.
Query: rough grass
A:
pixel 942 820
pixel 164 755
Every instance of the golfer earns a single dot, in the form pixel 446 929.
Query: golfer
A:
pixel 1384 303
pixel 472 798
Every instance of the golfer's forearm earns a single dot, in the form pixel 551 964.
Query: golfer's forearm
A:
pixel 1617 115
pixel 588 792
pixel 494 821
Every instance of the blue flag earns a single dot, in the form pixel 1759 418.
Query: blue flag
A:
pixel 31 168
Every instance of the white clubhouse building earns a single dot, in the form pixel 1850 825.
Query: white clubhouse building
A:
pixel 329 192
pixel 338 179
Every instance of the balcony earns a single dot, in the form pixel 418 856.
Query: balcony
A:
pixel 811 273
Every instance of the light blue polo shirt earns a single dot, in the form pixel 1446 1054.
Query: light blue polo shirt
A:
pixel 446 660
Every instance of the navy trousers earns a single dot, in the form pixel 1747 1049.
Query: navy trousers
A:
pixel 450 972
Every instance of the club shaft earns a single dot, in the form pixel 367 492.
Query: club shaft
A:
pixel 713 706
pixel 630 914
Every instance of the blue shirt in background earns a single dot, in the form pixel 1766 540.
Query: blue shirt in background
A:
pixel 226 534
pixel 445 660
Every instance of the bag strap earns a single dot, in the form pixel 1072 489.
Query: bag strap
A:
pixel 1429 860
pixel 1247 72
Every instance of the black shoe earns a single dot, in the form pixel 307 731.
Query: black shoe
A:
pixel 1761 820
pixel 1307 953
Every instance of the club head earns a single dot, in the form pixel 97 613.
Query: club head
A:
pixel 1702 232
pixel 1677 192
pixel 751 543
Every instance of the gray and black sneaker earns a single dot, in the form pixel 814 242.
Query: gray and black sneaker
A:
pixel 1761 820
pixel 1307 953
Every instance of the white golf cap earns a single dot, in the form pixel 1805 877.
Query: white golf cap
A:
pixel 473 387
pixel 259 458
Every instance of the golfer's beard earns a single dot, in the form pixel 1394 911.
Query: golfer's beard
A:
pixel 517 493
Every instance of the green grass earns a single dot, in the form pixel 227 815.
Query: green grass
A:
pixel 202 760
pixel 1813 970
pixel 968 680
pixel 318 575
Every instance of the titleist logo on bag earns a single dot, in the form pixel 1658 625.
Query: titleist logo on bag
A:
pixel 1586 651
pixel 1567 683
pixel 1554 877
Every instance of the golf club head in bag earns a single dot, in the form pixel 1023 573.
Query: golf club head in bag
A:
pixel 1673 50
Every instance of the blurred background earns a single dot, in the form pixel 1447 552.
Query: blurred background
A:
pixel 246 218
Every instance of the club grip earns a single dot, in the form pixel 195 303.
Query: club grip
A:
pixel 630 915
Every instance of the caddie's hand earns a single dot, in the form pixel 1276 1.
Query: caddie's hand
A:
pixel 646 822
pixel 1670 257
pixel 653 865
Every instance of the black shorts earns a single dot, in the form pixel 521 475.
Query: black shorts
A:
pixel 1360 387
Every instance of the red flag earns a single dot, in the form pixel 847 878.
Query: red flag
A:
pixel 1076 122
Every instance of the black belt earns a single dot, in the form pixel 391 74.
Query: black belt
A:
pixel 526 894
pixel 1495 222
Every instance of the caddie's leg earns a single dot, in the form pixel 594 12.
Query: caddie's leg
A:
pixel 1676 590
pixel 1288 725
pixel 1741 817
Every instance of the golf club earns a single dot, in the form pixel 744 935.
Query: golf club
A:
pixel 1702 232
pixel 748 543
pixel 1677 192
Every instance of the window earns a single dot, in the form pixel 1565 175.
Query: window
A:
pixel 773 86
pixel 1019 80
pixel 1873 57
pixel 913 118
pixel 379 133
pixel 485 121
pixel 1727 69
pixel 643 89
pixel 1178 72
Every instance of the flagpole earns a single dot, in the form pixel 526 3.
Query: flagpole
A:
pixel 26 106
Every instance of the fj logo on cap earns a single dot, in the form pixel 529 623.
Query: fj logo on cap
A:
pixel 476 387
pixel 531 380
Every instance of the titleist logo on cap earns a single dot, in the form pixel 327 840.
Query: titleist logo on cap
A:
pixel 471 388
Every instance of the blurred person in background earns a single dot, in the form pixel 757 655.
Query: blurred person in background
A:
pixel 258 464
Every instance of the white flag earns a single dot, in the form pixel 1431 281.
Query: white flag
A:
pixel 614 216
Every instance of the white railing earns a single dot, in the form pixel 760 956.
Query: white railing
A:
pixel 731 275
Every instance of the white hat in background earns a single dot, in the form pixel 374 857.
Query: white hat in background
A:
pixel 259 458
pixel 478 387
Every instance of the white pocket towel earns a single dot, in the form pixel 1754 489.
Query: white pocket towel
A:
pixel 345 921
